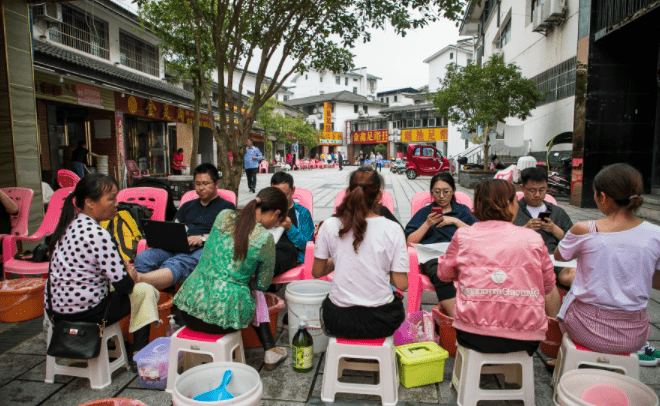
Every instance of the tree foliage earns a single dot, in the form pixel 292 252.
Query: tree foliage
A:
pixel 475 96
pixel 284 37
pixel 285 129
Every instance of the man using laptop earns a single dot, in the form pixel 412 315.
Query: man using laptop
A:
pixel 298 228
pixel 163 269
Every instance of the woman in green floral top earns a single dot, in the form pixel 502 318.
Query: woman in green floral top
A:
pixel 239 254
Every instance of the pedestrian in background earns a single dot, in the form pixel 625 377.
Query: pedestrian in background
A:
pixel 177 162
pixel 79 157
pixel 251 164
pixel 372 160
pixel 379 162
pixel 361 158
pixel 341 161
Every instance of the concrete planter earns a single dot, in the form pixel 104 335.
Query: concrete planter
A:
pixel 471 178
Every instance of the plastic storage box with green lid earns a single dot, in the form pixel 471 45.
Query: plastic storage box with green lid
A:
pixel 421 363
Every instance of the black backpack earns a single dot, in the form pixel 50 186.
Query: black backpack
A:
pixel 170 210
pixel 137 211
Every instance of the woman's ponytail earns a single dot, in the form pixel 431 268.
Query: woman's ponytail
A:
pixel 66 217
pixel 361 198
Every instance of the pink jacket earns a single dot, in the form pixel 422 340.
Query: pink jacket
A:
pixel 503 273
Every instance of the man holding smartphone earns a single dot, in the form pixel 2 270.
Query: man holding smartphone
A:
pixel 547 219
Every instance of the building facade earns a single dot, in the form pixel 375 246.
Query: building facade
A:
pixel 541 38
pixel 312 83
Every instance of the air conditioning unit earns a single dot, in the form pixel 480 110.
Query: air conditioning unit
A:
pixel 314 111
pixel 538 23
pixel 49 12
pixel 360 112
pixel 553 10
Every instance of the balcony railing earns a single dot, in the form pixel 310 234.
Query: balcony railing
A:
pixel 82 38
pixel 612 12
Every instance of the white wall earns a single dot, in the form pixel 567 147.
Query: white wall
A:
pixel 534 54
pixel 115 22
pixel 310 84
pixel 438 65
pixel 401 100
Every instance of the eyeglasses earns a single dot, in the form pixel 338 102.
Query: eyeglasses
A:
pixel 438 192
pixel 204 184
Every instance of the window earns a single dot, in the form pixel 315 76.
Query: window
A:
pixel 451 55
pixel 332 126
pixel 81 31
pixel 418 123
pixel 505 36
pixel 395 99
pixel 355 108
pixel 429 152
pixel 332 107
pixel 137 54
pixel 355 90
pixel 320 78
pixel 338 80
pixel 214 96
pixel 431 122
pixel 410 123
pixel 354 80
pixel 559 80
pixel 285 97
pixel 387 100
pixel 366 109
pixel 346 81
pixel 394 124
pixel 277 96
pixel 469 61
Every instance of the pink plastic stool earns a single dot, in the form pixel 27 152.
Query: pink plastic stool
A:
pixel 220 347
pixel 381 350
pixel 604 394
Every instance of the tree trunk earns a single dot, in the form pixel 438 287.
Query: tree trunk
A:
pixel 195 135
pixel 486 148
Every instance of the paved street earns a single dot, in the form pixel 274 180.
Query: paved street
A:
pixel 22 345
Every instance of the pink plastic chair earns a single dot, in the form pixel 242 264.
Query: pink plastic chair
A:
pixel 153 198
pixel 421 199
pixel 133 172
pixel 47 226
pixel 320 165
pixel 67 178
pixel 304 164
pixel 228 195
pixel 305 198
pixel 23 198
pixel 548 198
pixel 387 200
pixel 263 166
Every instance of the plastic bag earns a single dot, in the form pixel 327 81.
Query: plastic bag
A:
pixel 407 333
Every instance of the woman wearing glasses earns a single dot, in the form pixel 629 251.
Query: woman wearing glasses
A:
pixel 429 227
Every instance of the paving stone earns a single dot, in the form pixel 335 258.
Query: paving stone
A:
pixel 34 346
pixel 78 391
pixel 653 310
pixel 147 396
pixel 340 397
pixel 25 393
pixel 13 365
pixel 38 374
pixel 266 402
pixel 655 333
pixel 6 326
pixel 297 385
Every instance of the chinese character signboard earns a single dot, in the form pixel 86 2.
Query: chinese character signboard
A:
pixel 327 117
pixel 424 135
pixel 89 95
pixel 153 109
pixel 330 138
pixel 370 137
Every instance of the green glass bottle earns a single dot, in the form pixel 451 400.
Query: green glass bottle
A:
pixel 302 349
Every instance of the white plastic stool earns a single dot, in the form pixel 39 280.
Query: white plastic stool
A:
pixel 469 365
pixel 381 350
pixel 570 358
pixel 223 347
pixel 98 370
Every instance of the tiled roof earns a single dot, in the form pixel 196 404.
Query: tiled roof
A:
pixel 343 96
pixel 43 51
pixel 411 107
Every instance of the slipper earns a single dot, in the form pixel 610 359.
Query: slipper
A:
pixel 549 367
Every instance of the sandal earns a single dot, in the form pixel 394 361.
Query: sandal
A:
pixel 272 359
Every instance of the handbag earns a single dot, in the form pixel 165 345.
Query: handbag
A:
pixel 74 339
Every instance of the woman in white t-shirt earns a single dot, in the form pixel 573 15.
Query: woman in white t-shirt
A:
pixel 367 253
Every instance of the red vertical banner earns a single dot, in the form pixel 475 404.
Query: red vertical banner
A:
pixel 327 117
pixel 119 133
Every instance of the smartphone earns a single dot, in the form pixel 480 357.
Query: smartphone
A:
pixel 544 215
pixel 437 210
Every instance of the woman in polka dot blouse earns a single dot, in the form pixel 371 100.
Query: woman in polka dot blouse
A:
pixel 85 259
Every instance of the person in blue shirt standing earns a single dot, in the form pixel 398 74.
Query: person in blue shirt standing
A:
pixel 251 164
pixel 299 227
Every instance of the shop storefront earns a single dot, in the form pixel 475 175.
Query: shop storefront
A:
pixel 68 112
pixel 329 142
pixel 153 131
pixel 427 136
pixel 366 141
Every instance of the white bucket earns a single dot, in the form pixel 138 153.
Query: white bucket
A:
pixel 303 299
pixel 245 384
pixel 573 385
pixel 102 164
